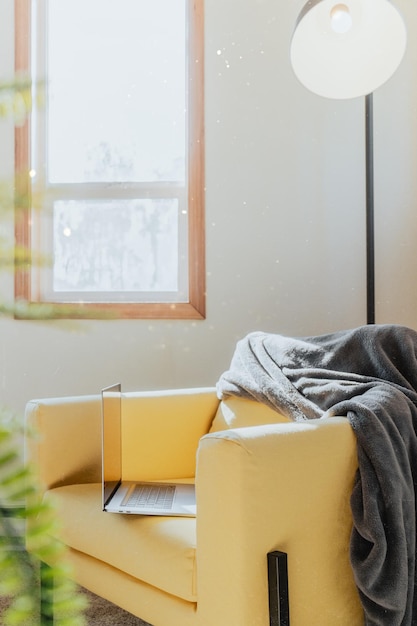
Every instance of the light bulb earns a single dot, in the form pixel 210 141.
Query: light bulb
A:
pixel 340 19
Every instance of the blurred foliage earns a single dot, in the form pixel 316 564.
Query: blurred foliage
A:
pixel 36 594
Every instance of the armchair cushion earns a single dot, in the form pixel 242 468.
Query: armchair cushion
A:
pixel 157 550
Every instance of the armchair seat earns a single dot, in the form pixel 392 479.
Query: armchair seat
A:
pixel 149 548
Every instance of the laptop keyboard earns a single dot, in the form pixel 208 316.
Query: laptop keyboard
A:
pixel 151 497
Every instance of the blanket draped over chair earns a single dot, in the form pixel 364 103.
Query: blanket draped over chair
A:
pixel 368 374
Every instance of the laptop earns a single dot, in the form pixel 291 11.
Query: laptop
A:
pixel 134 497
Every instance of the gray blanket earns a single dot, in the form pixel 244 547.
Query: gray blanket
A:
pixel 368 374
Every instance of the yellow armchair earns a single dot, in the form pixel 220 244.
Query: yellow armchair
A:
pixel 263 484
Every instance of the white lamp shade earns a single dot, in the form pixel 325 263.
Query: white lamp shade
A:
pixel 347 48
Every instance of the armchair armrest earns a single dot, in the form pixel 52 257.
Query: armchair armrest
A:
pixel 277 487
pixel 160 435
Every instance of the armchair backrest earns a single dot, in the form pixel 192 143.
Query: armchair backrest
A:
pixel 161 431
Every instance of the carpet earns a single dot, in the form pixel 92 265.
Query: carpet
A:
pixel 103 613
pixel 98 613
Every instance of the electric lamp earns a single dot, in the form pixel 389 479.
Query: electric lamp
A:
pixel 344 50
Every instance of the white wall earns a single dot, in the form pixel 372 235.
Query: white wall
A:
pixel 284 219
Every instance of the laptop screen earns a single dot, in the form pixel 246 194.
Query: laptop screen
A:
pixel 111 414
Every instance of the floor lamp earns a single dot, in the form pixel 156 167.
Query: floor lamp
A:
pixel 345 50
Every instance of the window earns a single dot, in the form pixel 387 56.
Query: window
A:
pixel 114 155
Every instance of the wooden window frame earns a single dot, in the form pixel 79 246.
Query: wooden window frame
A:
pixel 195 307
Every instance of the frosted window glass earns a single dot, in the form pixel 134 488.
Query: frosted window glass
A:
pixel 116 102
pixel 115 245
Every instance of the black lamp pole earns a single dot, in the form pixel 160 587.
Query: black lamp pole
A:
pixel 370 234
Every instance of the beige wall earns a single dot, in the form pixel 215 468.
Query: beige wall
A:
pixel 284 219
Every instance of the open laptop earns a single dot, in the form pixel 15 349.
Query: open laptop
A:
pixel 134 497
